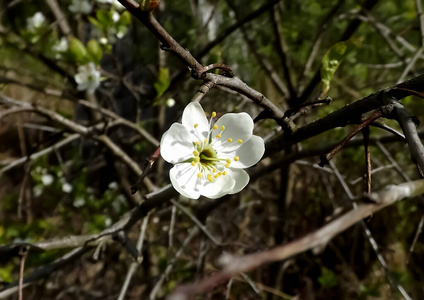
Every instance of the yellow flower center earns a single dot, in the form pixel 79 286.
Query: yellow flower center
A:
pixel 205 157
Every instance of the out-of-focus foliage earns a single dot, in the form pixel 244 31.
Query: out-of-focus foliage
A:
pixel 82 188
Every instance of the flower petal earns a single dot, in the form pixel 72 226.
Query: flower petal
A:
pixel 220 187
pixel 184 180
pixel 249 153
pixel 240 177
pixel 237 126
pixel 176 145
pixel 194 114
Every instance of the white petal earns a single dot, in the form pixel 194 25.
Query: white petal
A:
pixel 237 126
pixel 176 145
pixel 184 180
pixel 249 153
pixel 220 187
pixel 240 177
pixel 194 114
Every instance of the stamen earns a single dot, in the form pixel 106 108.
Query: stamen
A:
pixel 193 163
pixel 228 161
pixel 210 178
pixel 236 158
pixel 213 114
pixel 227 165
pixel 195 125
pixel 239 141
pixel 195 153
pixel 216 176
pixel 214 171
pixel 218 136
pixel 224 173
pixel 229 140
pixel 197 143
pixel 205 141
pixel 222 127
pixel 199 175
pixel 197 159
pixel 215 127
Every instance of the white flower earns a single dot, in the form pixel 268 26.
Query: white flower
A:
pixel 115 16
pixel 209 157
pixel 35 21
pixel 61 45
pixel 47 179
pixel 87 78
pixel 66 187
pixel 170 102
pixel 80 6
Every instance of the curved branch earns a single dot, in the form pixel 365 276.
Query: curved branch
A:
pixel 233 265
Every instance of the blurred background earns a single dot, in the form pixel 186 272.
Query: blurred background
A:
pixel 72 58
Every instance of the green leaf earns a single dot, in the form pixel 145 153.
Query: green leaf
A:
pixel 327 279
pixel 95 51
pixel 125 18
pixel 162 82
pixel 333 58
pixel 95 23
pixel 77 49
pixel 104 17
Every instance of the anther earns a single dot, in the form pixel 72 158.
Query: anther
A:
pixel 227 165
pixel 197 143
pixel 215 127
pixel 210 177
pixel 214 171
pixel 193 163
pixel 239 141
pixel 205 141
pixel 195 125
pixel 195 153
pixel 229 140
pixel 197 159
pixel 218 136
pixel 222 127
pixel 224 173
pixel 216 176
pixel 213 114
pixel 228 161
pixel 199 175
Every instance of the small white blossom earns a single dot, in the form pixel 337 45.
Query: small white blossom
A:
pixel 61 45
pixel 209 157
pixel 87 78
pixel 103 41
pixel 47 179
pixel 80 6
pixel 170 102
pixel 66 188
pixel 36 21
pixel 115 16
pixel 78 202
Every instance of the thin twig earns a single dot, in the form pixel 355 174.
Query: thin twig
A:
pixel 366 136
pixel 414 242
pixel 326 158
pixel 196 221
pixel 393 161
pixel 23 253
pixel 136 263
pixel 193 232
